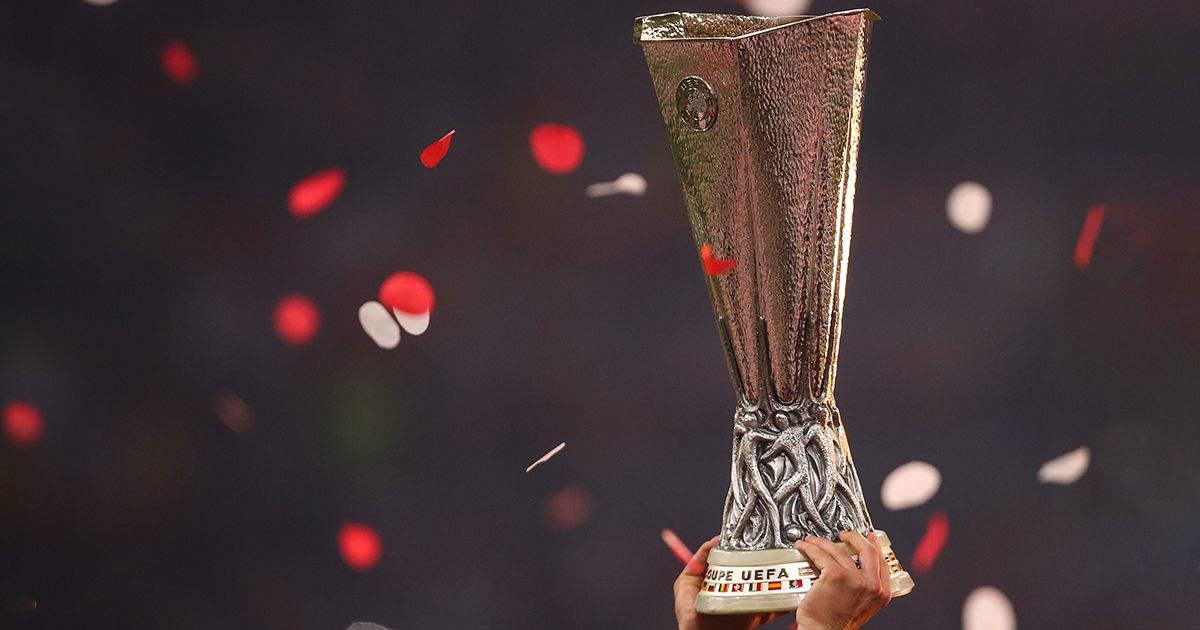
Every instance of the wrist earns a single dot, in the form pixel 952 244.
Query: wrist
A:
pixel 804 622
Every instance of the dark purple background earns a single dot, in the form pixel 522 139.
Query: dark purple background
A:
pixel 145 239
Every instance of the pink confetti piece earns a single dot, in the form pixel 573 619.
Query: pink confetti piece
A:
pixel 714 266
pixel 569 508
pixel 931 544
pixel 359 546
pixel 545 458
pixel 676 546
pixel 1087 236
pixel 297 319
pixel 23 424
pixel 436 151
pixel 407 292
pixel 179 62
pixel 313 193
pixel 556 148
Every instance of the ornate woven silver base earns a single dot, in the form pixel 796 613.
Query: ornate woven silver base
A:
pixel 772 580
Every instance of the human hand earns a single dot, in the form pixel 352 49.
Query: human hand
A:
pixel 687 587
pixel 845 596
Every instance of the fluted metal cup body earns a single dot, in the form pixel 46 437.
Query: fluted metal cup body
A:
pixel 763 119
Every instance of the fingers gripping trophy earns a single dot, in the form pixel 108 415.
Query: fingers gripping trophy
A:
pixel 763 119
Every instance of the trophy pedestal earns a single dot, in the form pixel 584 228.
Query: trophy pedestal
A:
pixel 772 580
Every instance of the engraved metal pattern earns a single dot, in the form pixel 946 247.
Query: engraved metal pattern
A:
pixel 772 187
pixel 696 103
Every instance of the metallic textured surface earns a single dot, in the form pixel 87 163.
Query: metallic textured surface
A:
pixel 770 184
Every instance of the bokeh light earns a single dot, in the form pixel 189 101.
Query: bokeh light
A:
pixel 297 319
pixel 407 292
pixel 179 62
pixel 910 485
pixel 569 508
pixel 23 424
pixel 313 193
pixel 969 207
pixel 776 8
pixel 556 148
pixel 988 608
pixel 359 546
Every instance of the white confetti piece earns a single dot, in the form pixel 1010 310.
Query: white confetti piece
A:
pixel 1066 469
pixel 987 608
pixel 910 485
pixel 545 458
pixel 969 207
pixel 412 324
pixel 629 184
pixel 776 8
pixel 379 325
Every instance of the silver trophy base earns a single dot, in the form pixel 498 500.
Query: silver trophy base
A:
pixel 773 580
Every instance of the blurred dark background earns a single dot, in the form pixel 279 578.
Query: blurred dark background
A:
pixel 145 239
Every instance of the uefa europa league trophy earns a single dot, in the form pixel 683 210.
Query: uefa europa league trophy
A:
pixel 763 118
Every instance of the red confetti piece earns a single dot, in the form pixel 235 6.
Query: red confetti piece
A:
pixel 297 319
pixel 179 63
pixel 569 508
pixel 556 148
pixel 714 266
pixel 407 292
pixel 677 547
pixel 1087 236
pixel 436 151
pixel 313 193
pixel 936 533
pixel 22 424
pixel 360 546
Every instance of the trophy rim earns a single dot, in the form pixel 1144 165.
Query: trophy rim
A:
pixel 644 35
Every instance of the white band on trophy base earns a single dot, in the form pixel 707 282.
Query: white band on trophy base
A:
pixel 772 580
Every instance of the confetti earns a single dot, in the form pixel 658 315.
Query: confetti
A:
pixel 234 412
pixel 407 292
pixel 1087 236
pixel 412 324
pixel 910 485
pixel 23 424
pixel 297 319
pixel 677 547
pixel 436 151
pixel 313 193
pixel 714 266
pixel 569 508
pixel 969 207
pixel 545 458
pixel 178 62
pixel 363 625
pixel 556 148
pixel 379 325
pixel 100 3
pixel 1066 469
pixel 359 546
pixel 931 544
pixel 987 608
pixel 629 184
pixel 776 8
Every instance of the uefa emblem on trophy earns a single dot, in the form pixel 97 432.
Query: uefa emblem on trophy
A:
pixel 763 118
